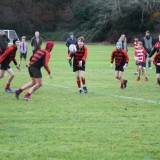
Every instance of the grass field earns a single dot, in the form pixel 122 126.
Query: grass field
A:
pixel 59 124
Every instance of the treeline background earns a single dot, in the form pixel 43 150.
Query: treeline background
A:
pixel 96 20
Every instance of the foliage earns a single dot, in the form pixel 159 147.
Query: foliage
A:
pixel 104 17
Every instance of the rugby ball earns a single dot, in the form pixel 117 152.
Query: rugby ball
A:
pixel 72 48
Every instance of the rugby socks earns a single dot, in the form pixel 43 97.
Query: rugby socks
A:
pixel 79 83
pixel 7 85
pixel 84 82
pixel 27 94
pixel 20 90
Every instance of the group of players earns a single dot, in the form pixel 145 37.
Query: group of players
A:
pixel 41 57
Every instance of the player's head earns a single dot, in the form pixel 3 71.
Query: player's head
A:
pixel 118 46
pixel 16 42
pixel 139 44
pixel 81 42
pixel 49 45
pixel 136 39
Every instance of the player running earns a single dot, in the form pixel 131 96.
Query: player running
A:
pixel 121 62
pixel 79 64
pixel 5 60
pixel 39 59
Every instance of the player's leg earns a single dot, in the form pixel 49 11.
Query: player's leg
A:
pixel 2 73
pixel 117 74
pixel 139 73
pixel 120 75
pixel 78 78
pixel 10 78
pixel 144 73
pixel 37 84
pixel 24 87
pixel 83 79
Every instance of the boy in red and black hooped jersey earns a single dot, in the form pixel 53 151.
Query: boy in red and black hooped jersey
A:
pixel 156 61
pixel 156 47
pixel 39 59
pixel 79 62
pixel 121 61
pixel 5 60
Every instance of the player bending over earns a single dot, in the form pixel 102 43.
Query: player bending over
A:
pixel 39 59
pixel 121 62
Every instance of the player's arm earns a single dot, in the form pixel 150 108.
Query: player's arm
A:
pixel 112 59
pixel 85 54
pixel 45 63
pixel 127 60
pixel 84 57
pixel 153 51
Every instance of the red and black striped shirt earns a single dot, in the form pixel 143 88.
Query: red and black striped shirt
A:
pixel 156 58
pixel 40 59
pixel 9 55
pixel 120 56
pixel 81 54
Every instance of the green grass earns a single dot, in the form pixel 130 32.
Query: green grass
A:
pixel 59 124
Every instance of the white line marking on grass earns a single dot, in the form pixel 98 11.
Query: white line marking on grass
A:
pixel 137 99
pixel 112 95
pixel 55 85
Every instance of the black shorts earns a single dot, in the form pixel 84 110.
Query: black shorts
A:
pixel 23 55
pixel 5 66
pixel 77 68
pixel 157 69
pixel 119 68
pixel 35 72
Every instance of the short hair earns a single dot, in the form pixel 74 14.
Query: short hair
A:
pixel 23 37
pixel 81 39
pixel 147 32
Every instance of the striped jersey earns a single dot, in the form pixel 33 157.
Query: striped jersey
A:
pixel 140 55
pixel 81 54
pixel 9 55
pixel 120 56
pixel 40 59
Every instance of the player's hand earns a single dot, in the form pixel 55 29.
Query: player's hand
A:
pixel 50 76
pixel 68 58
pixel 112 65
pixel 18 68
pixel 80 63
pixel 125 66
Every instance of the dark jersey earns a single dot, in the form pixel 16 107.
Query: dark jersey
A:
pixel 156 58
pixel 40 59
pixel 9 55
pixel 156 48
pixel 120 56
